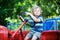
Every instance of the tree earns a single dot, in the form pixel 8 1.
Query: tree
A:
pixel 11 8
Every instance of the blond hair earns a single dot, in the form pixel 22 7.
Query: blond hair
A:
pixel 34 7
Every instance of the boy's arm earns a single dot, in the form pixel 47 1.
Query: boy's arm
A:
pixel 33 17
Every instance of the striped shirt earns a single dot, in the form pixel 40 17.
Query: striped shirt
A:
pixel 36 26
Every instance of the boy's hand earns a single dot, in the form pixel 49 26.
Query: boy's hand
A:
pixel 27 13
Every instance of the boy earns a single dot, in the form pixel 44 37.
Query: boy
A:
pixel 37 21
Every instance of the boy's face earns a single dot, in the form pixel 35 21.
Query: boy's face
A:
pixel 36 11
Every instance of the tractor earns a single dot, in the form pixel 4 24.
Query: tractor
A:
pixel 50 31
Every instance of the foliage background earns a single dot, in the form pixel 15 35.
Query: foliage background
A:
pixel 10 9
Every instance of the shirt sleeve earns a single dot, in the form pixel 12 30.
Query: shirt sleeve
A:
pixel 41 18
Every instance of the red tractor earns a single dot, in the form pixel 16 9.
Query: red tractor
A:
pixel 47 34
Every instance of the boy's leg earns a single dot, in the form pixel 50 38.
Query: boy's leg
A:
pixel 36 35
pixel 34 38
pixel 29 35
pixel 26 38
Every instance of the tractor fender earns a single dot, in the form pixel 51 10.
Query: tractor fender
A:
pixel 3 33
pixel 49 35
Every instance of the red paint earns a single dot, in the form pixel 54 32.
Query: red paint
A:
pixel 46 35
pixel 3 33
pixel 50 35
pixel 16 37
pixel 23 23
